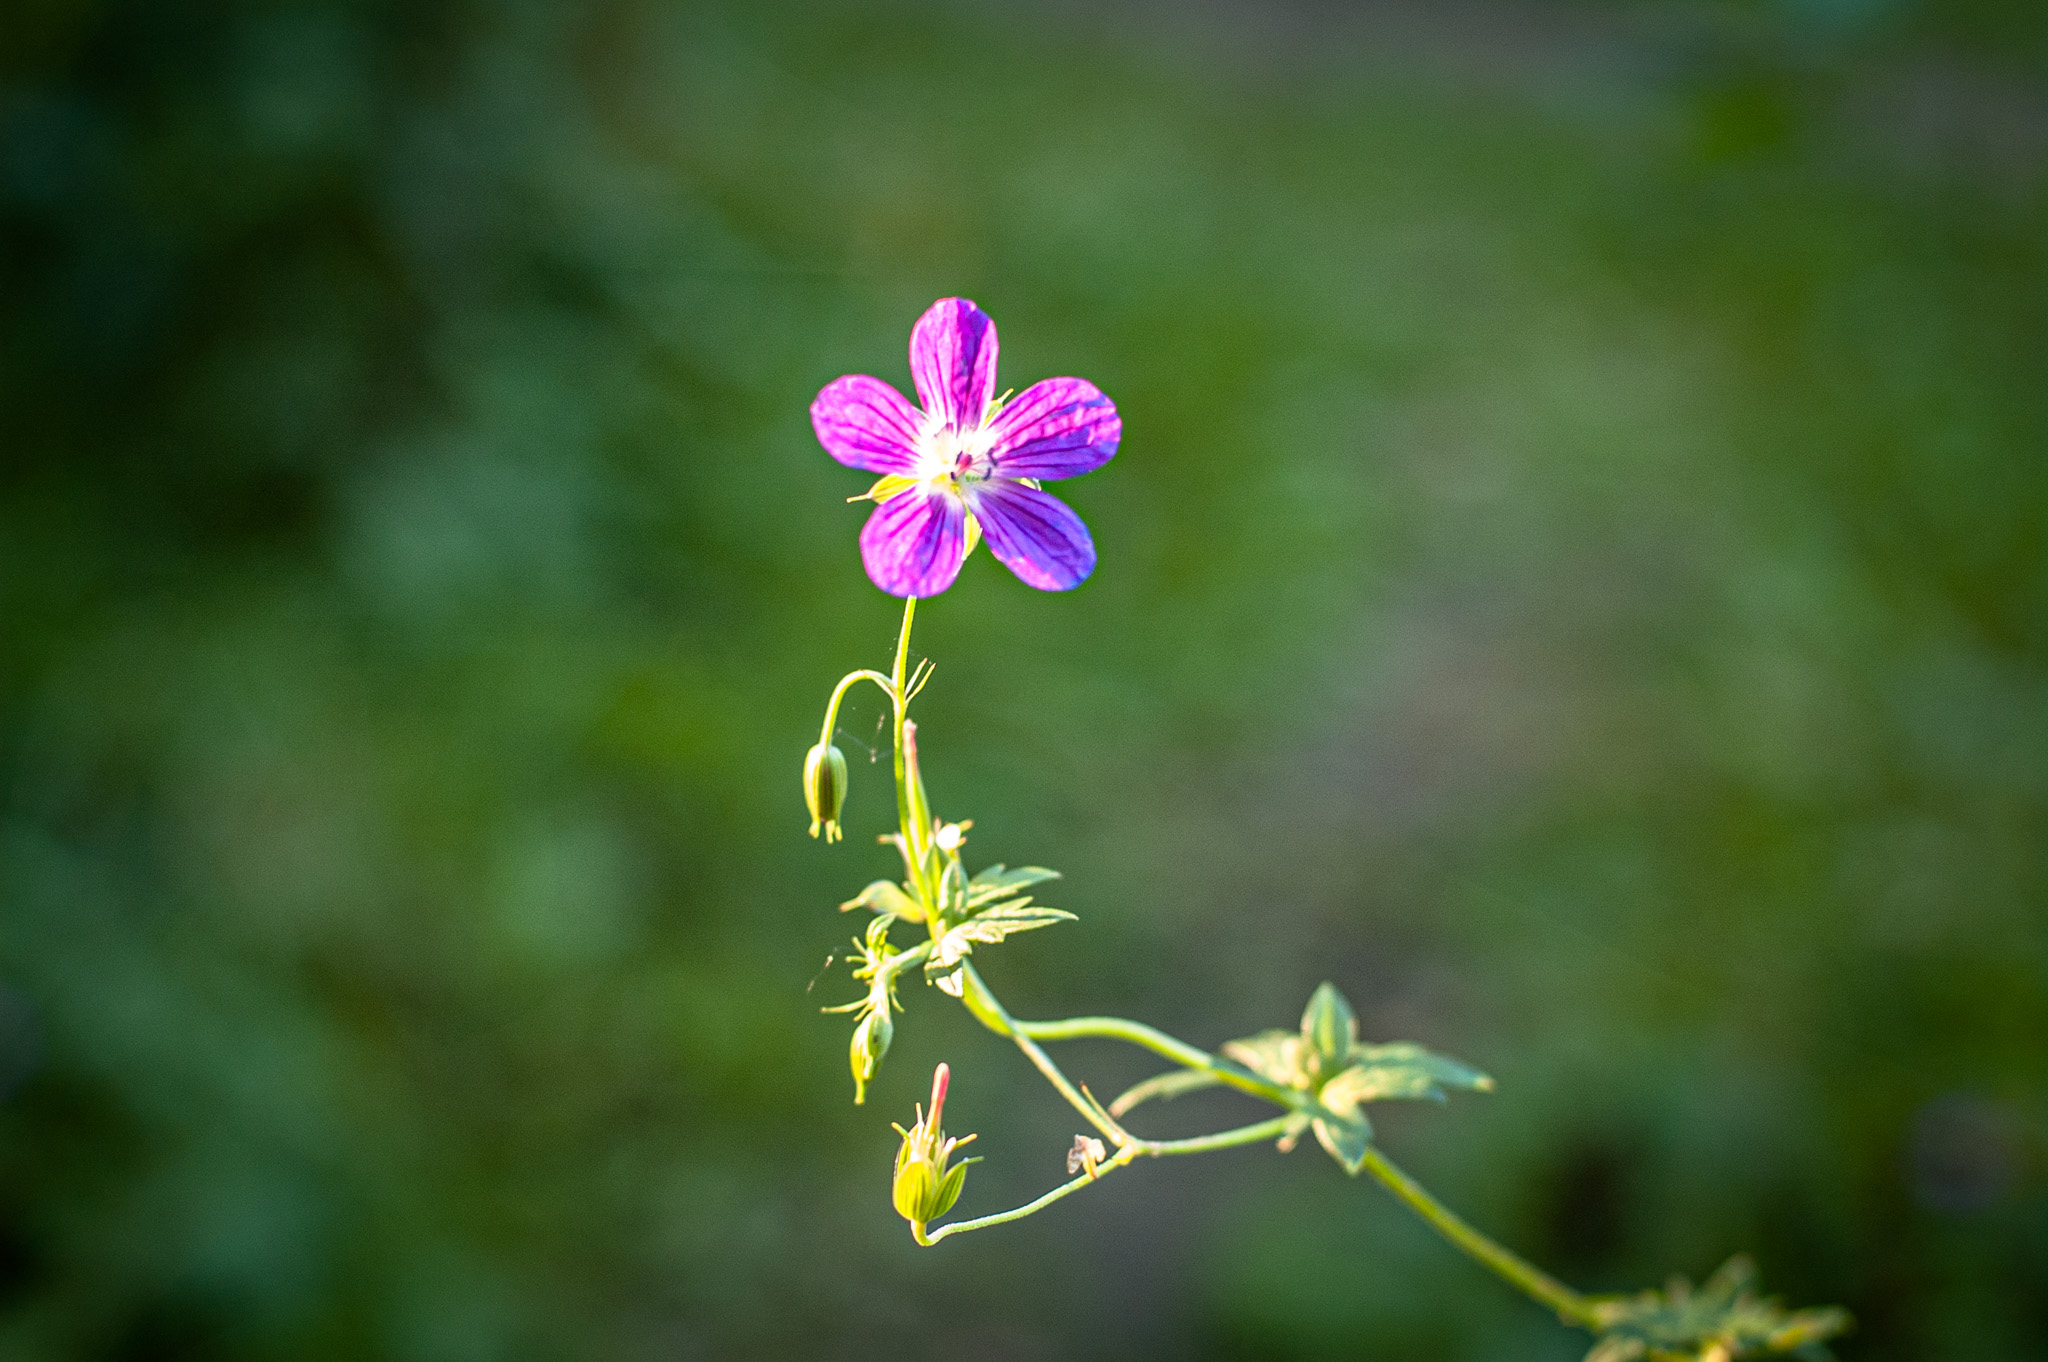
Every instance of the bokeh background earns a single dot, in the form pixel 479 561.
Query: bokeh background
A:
pixel 1573 577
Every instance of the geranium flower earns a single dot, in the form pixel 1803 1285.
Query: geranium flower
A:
pixel 967 465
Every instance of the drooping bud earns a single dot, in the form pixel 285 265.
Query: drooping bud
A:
pixel 927 1182
pixel 825 788
pixel 870 1042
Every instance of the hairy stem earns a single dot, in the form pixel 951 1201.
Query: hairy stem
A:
pixel 1571 1307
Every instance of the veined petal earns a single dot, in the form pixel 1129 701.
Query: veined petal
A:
pixel 1035 535
pixel 1060 428
pixel 914 542
pixel 953 361
pixel 865 423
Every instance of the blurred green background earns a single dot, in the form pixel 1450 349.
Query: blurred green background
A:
pixel 1573 577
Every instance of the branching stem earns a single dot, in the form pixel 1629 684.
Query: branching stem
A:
pixel 1179 1051
pixel 915 818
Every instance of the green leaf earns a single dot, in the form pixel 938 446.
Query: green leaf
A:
pixel 1346 1141
pixel 1356 1086
pixel 885 897
pixel 1329 1026
pixel 997 883
pixel 1723 1318
pixel 1008 918
pixel 1442 1068
pixel 1276 1056
pixel 987 928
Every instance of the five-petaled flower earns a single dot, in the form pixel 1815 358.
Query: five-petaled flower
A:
pixel 967 464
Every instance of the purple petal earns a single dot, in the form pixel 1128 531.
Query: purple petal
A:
pixel 865 423
pixel 1035 535
pixel 914 542
pixel 1060 428
pixel 953 361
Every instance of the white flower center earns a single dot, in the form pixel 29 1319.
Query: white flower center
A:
pixel 958 456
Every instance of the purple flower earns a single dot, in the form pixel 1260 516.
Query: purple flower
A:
pixel 967 466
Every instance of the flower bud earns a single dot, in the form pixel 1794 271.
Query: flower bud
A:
pixel 870 1042
pixel 927 1181
pixel 825 788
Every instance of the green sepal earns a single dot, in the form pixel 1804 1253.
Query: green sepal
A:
pixel 949 1189
pixel 912 1190
pixel 870 1043
pixel 888 487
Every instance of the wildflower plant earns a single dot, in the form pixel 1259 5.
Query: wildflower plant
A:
pixel 964 467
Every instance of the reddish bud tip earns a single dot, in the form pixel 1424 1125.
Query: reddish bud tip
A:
pixel 941 1076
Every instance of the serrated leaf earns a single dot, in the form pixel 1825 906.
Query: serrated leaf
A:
pixel 1445 1070
pixel 996 883
pixel 1007 919
pixel 1346 1141
pixel 988 928
pixel 1329 1026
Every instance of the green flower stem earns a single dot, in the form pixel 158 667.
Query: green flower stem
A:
pixel 1136 1149
pixel 915 818
pixel 1571 1307
pixel 991 1014
pixel 912 814
pixel 903 960
pixel 1179 1051
pixel 1273 1128
pixel 847 683
pixel 1065 1189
